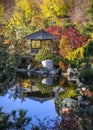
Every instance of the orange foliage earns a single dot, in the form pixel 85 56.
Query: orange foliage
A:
pixel 63 65
pixel 64 82
pixel 71 40
pixel 55 30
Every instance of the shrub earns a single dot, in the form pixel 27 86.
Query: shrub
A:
pixel 72 43
pixel 45 54
pixel 86 74
pixel 70 91
pixel 90 47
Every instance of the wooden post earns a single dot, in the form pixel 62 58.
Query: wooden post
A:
pixel 51 46
pixel 40 44
pixel 30 46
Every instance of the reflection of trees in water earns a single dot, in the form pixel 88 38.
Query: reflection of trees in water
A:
pixel 15 88
pixel 19 87
pixel 11 86
pixel 5 85
pixel 16 92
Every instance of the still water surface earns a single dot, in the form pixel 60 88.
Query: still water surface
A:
pixel 36 105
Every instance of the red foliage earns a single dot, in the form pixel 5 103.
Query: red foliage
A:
pixel 74 37
pixel 55 30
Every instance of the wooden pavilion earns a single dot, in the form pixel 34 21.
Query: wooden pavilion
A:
pixel 41 36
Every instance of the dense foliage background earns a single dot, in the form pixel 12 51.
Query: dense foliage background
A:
pixel 72 21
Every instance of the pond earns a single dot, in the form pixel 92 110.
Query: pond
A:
pixel 33 94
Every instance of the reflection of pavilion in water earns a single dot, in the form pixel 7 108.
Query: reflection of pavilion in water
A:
pixel 32 91
pixel 31 87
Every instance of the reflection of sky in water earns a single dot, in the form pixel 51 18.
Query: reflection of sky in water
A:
pixel 41 110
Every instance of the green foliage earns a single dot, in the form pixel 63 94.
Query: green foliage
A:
pixel 86 74
pixel 90 47
pixel 45 89
pixel 7 63
pixel 85 113
pixel 87 29
pixel 44 54
pixel 3 56
pixel 90 10
pixel 19 121
pixel 70 92
pixel 11 61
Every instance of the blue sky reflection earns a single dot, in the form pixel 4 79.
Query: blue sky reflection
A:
pixel 33 107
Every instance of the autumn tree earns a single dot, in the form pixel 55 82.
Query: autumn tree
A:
pixel 21 18
pixel 75 38
pixel 72 43
pixel 53 8
pixel 55 30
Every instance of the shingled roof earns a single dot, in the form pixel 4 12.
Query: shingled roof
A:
pixel 41 35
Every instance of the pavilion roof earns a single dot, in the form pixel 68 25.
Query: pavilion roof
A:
pixel 41 35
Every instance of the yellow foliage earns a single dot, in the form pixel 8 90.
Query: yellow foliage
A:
pixel 70 91
pixel 63 41
pixel 52 8
pixel 92 35
pixel 22 13
pixel 76 54
pixel 24 5
pixel 21 17
pixel 26 83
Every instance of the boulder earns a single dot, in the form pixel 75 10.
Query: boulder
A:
pixel 70 103
pixel 48 64
pixel 70 71
pixel 48 81
pixel 81 98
